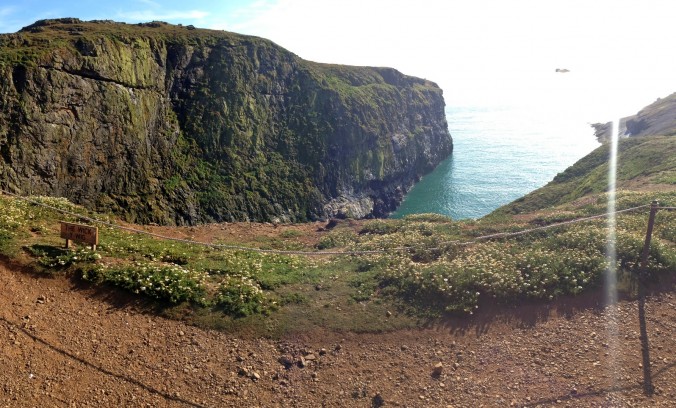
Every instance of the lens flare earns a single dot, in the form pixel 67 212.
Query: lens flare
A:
pixel 611 256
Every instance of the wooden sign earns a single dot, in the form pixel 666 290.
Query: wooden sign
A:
pixel 80 233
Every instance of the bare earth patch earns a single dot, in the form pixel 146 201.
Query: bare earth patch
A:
pixel 65 345
pixel 241 233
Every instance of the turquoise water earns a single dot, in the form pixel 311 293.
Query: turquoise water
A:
pixel 499 155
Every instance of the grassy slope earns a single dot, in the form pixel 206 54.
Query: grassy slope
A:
pixel 643 164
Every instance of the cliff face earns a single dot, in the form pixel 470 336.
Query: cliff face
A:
pixel 174 125
pixel 658 118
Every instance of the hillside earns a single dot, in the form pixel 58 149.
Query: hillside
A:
pixel 645 163
pixel 153 322
pixel 658 118
pixel 176 125
pixel 508 310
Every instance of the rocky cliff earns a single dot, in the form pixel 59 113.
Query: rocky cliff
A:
pixel 658 118
pixel 176 125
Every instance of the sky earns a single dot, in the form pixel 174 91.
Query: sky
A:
pixel 619 53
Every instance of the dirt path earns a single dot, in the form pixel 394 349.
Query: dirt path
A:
pixel 67 346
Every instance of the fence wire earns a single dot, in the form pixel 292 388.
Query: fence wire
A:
pixel 318 253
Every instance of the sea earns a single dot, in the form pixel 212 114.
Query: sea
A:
pixel 500 153
pixel 511 142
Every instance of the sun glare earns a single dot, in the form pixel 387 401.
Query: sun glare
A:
pixel 611 255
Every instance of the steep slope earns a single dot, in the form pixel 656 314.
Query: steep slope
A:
pixel 177 125
pixel 658 118
pixel 643 163
pixel 646 161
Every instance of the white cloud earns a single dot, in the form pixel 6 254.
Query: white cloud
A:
pixel 8 22
pixel 6 11
pixel 151 15
pixel 480 49
pixel 150 3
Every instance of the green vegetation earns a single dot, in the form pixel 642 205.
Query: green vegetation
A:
pixel 211 286
pixel 218 126
pixel 174 272
pixel 429 265
pixel 162 281
pixel 541 265
pixel 642 163
pixel 227 148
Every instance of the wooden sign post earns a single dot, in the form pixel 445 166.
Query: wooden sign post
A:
pixel 80 233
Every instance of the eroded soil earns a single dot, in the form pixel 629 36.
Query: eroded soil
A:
pixel 67 345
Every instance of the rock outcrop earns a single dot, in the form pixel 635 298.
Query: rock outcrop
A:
pixel 658 118
pixel 176 125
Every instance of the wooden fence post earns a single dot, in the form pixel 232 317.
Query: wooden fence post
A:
pixel 648 236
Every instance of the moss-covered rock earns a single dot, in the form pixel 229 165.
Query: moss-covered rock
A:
pixel 165 124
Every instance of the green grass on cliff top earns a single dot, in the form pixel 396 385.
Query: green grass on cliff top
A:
pixel 44 36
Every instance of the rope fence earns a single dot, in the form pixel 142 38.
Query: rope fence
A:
pixel 318 253
pixel 186 241
pixel 544 227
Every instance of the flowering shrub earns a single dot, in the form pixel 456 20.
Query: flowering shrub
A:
pixel 380 227
pixel 496 270
pixel 334 239
pixel 244 274
pixel 239 263
pixel 13 218
pixel 58 202
pixel 240 296
pixel 162 281
pixel 175 258
pixel 67 258
pixel 666 225
pixel 428 217
pixel 565 260
pixel 669 233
